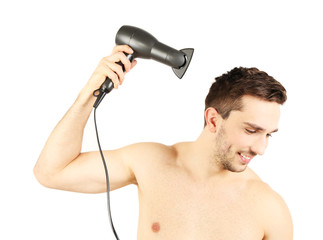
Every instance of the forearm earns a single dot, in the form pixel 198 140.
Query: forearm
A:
pixel 65 142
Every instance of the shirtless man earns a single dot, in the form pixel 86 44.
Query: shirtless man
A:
pixel 192 190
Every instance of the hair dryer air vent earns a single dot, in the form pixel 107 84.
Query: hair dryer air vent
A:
pixel 179 72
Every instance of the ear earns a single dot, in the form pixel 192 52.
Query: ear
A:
pixel 212 118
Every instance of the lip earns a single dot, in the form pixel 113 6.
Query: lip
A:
pixel 244 160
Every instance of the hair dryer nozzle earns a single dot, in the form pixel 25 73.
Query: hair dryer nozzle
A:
pixel 179 72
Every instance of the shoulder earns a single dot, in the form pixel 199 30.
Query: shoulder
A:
pixel 278 221
pixel 267 198
pixel 149 149
pixel 148 161
pixel 272 209
pixel 146 154
pixel 265 192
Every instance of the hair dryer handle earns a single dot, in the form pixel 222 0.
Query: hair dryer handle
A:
pixel 108 85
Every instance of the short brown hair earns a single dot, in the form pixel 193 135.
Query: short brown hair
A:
pixel 226 92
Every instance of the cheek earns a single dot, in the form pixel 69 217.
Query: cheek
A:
pixel 240 140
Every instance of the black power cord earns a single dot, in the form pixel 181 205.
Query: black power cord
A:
pixel 107 177
pixel 100 93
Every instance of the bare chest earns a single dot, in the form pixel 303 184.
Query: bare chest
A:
pixel 185 209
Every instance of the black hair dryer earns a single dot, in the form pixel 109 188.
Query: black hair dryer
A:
pixel 147 46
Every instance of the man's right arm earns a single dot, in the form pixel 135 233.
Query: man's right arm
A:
pixel 61 164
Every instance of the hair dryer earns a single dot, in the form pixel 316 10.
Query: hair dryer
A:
pixel 146 46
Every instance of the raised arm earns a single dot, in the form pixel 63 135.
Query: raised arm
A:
pixel 61 164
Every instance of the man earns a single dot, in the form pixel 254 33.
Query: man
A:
pixel 191 190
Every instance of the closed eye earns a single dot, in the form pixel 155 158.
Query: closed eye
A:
pixel 253 128
pixel 250 131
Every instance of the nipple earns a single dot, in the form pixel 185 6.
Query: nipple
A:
pixel 155 227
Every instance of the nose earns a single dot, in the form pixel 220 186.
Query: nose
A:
pixel 260 145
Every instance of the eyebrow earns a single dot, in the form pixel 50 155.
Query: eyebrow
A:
pixel 258 128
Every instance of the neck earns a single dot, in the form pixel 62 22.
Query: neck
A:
pixel 198 158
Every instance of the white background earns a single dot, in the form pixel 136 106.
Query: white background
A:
pixel 49 49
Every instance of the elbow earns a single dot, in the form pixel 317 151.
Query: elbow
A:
pixel 44 178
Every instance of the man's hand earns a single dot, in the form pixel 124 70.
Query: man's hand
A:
pixel 108 67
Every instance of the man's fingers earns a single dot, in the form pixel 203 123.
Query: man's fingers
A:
pixel 113 76
pixel 133 64
pixel 122 48
pixel 110 66
pixel 121 57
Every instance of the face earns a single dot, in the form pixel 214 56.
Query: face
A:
pixel 245 134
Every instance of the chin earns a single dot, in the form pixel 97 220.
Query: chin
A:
pixel 235 168
pixel 241 169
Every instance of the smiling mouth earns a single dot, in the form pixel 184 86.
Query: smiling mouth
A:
pixel 245 158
